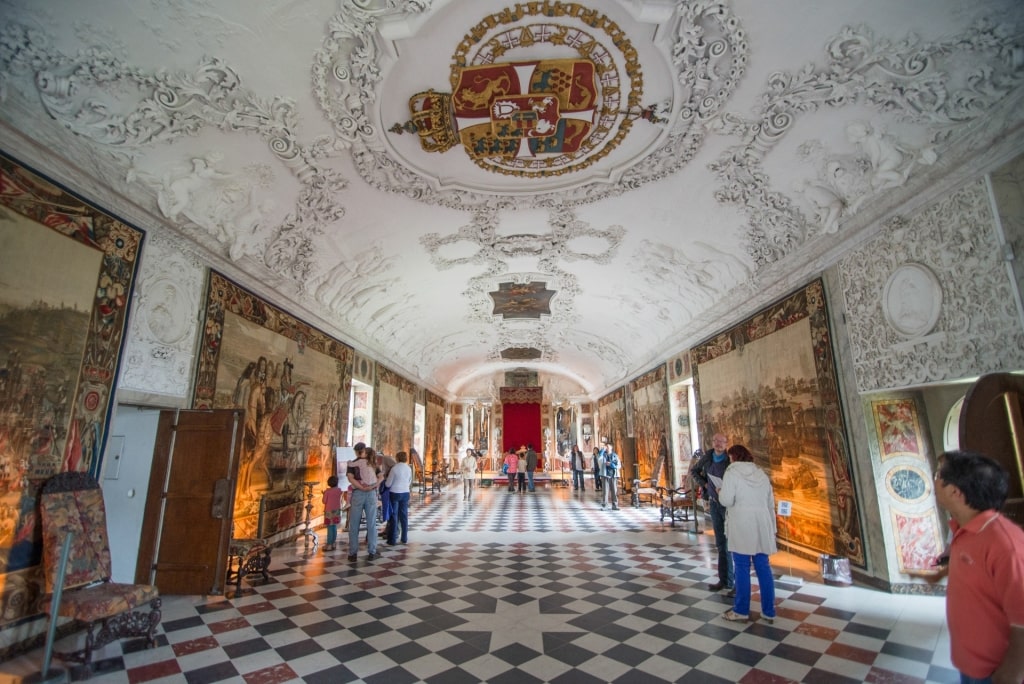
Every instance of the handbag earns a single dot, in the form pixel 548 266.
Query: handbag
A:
pixel 504 468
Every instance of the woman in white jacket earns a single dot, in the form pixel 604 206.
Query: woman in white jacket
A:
pixel 746 493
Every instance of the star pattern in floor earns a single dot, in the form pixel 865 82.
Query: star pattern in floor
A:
pixel 536 587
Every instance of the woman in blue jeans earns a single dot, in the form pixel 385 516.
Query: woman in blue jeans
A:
pixel 399 481
pixel 747 496
pixel 362 475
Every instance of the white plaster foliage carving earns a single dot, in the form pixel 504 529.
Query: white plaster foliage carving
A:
pixel 909 79
pixel 163 325
pixel 121 107
pixel 228 206
pixel 844 182
pixel 977 330
pixel 492 255
pixel 708 51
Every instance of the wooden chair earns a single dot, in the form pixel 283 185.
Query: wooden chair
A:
pixel 646 489
pixel 72 504
pixel 677 504
pixel 248 557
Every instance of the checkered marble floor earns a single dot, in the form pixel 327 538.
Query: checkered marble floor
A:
pixel 519 588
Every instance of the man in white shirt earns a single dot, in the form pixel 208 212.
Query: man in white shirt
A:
pixel 468 468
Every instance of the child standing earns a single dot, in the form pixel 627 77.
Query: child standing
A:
pixel 332 511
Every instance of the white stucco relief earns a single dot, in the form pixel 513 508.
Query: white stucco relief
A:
pixel 977 329
pixel 164 324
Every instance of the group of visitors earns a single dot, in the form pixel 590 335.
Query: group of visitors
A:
pixel 370 478
pixel 578 466
pixel 520 467
pixel 984 561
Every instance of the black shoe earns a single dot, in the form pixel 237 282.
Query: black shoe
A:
pixel 352 559
pixel 717 586
pixel 731 593
pixel 373 556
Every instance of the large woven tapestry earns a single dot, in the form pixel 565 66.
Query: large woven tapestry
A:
pixel 770 383
pixel 293 382
pixel 650 421
pixel 394 400
pixel 68 270
pixel 611 418
pixel 433 440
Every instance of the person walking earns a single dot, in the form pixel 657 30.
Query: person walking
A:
pixel 362 475
pixel 578 467
pixel 708 473
pixel 511 466
pixel 610 466
pixel 985 586
pixel 521 473
pixel 468 468
pixel 332 511
pixel 531 465
pixel 595 461
pixel 747 495
pixel 399 481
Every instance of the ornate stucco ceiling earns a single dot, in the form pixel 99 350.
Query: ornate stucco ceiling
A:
pixel 690 161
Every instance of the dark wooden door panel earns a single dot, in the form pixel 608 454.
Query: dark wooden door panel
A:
pixel 188 519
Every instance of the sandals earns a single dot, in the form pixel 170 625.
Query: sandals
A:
pixel 732 616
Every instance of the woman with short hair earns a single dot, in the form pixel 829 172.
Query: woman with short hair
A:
pixel 746 493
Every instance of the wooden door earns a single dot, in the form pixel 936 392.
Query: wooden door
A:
pixel 992 422
pixel 187 525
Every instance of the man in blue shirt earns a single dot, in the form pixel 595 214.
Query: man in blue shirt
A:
pixel 609 464
pixel 705 472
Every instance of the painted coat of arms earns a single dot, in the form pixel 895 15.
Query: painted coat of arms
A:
pixel 547 89
pixel 525 109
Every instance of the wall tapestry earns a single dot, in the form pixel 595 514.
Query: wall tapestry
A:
pixel 394 400
pixel 293 382
pixel 68 270
pixel 650 421
pixel 683 438
pixel 433 440
pixel 770 383
pixel 611 419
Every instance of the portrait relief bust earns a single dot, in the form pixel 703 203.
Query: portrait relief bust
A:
pixel 912 300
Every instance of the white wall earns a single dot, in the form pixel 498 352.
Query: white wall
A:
pixel 125 481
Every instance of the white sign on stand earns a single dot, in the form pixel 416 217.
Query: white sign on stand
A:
pixel 342 456
pixel 785 509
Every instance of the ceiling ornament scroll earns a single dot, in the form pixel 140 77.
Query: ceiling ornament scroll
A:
pixel 944 85
pixel 126 110
pixel 706 54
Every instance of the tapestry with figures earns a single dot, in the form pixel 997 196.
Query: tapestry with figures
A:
pixel 293 382
pixel 68 271
pixel 650 423
pixel 394 412
pixel 769 383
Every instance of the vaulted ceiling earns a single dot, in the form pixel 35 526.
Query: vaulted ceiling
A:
pixel 464 187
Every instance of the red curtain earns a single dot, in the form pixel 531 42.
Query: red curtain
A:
pixel 520 415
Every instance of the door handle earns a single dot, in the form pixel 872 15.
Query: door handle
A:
pixel 221 494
